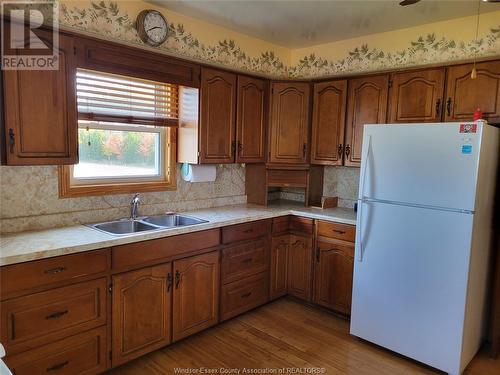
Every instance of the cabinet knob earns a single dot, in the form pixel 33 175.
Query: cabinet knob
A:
pixel 448 107
pixel 438 107
pixel 340 149
pixel 169 282
pixel 347 150
pixel 304 150
pixel 57 366
pixel 177 279
pixel 12 140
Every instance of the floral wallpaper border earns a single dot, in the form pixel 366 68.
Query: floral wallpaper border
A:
pixel 106 19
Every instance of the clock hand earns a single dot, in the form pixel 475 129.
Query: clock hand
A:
pixel 156 27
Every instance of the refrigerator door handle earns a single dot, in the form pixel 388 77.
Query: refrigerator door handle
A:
pixel 366 160
pixel 359 237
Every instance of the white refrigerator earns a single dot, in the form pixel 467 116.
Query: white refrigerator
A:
pixel 424 226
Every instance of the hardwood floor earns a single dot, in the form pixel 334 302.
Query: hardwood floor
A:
pixel 285 334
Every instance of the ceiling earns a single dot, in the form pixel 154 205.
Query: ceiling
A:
pixel 303 23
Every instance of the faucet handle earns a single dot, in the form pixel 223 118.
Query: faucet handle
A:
pixel 136 197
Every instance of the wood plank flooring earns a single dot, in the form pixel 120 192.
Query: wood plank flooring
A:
pixel 285 334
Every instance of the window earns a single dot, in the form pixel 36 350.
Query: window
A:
pixel 125 135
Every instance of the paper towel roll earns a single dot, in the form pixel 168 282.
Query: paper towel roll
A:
pixel 198 173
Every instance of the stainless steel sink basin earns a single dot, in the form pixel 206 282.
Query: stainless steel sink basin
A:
pixel 124 227
pixel 172 220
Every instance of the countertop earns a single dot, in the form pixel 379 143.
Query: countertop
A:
pixel 27 246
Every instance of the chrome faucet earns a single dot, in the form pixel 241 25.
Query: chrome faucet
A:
pixel 134 206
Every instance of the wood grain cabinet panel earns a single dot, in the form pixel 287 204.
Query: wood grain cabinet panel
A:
pixel 279 266
pixel 141 311
pixel 217 117
pixel 82 354
pixel 416 96
pixel 196 294
pixel 464 95
pixel 37 319
pixel 333 276
pixel 366 104
pixel 40 110
pixel 289 122
pixel 239 261
pixel 300 255
pixel 251 120
pixel 329 106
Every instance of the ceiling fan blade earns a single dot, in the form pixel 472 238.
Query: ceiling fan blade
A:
pixel 408 2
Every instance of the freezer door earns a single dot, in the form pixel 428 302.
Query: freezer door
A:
pixel 410 281
pixel 432 164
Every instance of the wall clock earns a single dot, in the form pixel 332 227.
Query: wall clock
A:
pixel 152 27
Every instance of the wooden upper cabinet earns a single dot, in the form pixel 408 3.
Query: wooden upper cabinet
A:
pixel 333 275
pixel 464 95
pixel 196 294
pixel 289 122
pixel 300 254
pixel 279 265
pixel 141 311
pixel 251 120
pixel 40 110
pixel 329 106
pixel 416 96
pixel 366 104
pixel 217 116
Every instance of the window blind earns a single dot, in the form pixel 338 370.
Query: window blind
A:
pixel 116 98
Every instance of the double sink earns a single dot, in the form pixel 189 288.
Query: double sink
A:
pixel 146 224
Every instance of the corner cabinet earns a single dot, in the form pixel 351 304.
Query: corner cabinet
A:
pixel 217 116
pixel 289 130
pixel 195 295
pixel 464 95
pixel 328 122
pixel 300 266
pixel 416 96
pixel 141 311
pixel 366 104
pixel 40 122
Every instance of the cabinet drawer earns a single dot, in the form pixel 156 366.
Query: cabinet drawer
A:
pixel 76 355
pixel 244 260
pixel 246 231
pixel 39 318
pixel 244 295
pixel 339 231
pixel 18 277
pixel 286 178
pixel 301 224
pixel 281 224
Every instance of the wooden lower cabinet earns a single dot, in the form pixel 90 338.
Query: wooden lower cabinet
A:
pixel 196 294
pixel 82 354
pixel 279 265
pixel 333 275
pixel 141 311
pixel 300 255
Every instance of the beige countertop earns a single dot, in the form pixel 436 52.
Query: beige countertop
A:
pixel 27 246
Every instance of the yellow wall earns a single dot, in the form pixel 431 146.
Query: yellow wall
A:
pixel 194 39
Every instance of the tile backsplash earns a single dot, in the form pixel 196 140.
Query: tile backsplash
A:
pixel 29 198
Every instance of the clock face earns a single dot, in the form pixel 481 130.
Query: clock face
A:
pixel 155 27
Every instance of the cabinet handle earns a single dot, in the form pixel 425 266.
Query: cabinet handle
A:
pixel 304 150
pixel 246 295
pixel 448 107
pixel 240 147
pixel 169 282
pixel 53 271
pixel 247 260
pixel 233 147
pixel 438 107
pixel 177 279
pixel 338 231
pixel 318 252
pixel 340 149
pixel 347 150
pixel 56 315
pixel 57 366
pixel 12 140
pixel 248 230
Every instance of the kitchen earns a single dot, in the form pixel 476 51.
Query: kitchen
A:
pixel 203 187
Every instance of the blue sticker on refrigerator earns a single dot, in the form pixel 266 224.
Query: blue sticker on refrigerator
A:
pixel 466 149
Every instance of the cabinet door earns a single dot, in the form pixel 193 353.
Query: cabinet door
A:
pixel 299 266
pixel 416 96
pixel 289 122
pixel 196 294
pixel 217 117
pixel 279 264
pixel 464 95
pixel 40 110
pixel 328 122
pixel 333 276
pixel 141 311
pixel 366 104
pixel 251 120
